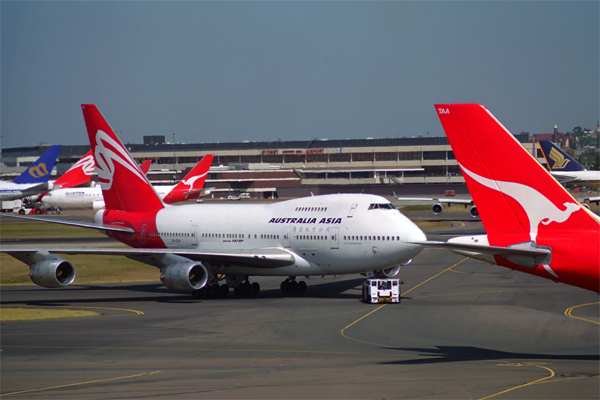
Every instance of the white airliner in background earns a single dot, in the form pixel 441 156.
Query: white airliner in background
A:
pixel 195 245
pixel 437 207
pixel 34 180
pixel 91 197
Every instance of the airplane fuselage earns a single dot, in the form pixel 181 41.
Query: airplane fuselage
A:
pixel 332 234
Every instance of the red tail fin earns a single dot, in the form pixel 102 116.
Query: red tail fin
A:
pixel 78 174
pixel 512 191
pixel 145 167
pixel 124 186
pixel 191 186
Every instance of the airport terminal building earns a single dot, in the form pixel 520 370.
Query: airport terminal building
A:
pixel 291 168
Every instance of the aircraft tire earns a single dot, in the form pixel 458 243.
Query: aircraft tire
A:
pixel 224 290
pixel 301 287
pixel 285 287
pixel 239 289
pixel 254 288
pixel 293 287
pixel 246 288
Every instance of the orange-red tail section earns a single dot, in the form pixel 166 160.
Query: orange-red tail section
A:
pixel 124 185
pixel 78 174
pixel 191 186
pixel 514 194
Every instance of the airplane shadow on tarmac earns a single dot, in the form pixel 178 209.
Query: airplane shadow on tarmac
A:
pixel 446 354
pixel 156 292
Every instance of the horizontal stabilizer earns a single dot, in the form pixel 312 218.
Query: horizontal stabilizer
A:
pixel 525 257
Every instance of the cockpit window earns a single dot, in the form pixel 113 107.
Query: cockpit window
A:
pixel 386 206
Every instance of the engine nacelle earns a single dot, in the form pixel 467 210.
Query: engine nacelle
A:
pixel 387 273
pixel 474 212
pixel 437 208
pixel 185 277
pixel 53 273
pixel 98 205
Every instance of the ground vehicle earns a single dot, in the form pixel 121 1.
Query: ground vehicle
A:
pixel 12 206
pixel 381 291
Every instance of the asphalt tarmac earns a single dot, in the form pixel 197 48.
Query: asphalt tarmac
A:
pixel 465 329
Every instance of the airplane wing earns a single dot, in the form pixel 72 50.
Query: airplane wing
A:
pixel 12 191
pixel 525 257
pixel 260 258
pixel 81 224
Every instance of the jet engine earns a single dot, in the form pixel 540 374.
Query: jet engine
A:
pixel 387 273
pixel 185 277
pixel 474 212
pixel 437 208
pixel 98 205
pixel 53 273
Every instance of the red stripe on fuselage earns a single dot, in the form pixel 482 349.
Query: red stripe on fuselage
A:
pixel 144 224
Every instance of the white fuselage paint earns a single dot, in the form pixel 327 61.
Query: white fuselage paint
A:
pixel 331 234
pixel 84 197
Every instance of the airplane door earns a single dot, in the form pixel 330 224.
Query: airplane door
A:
pixel 194 235
pixel 143 234
pixel 335 238
pixel 286 237
pixel 352 210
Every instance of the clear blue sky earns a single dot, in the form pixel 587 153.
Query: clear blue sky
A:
pixel 264 71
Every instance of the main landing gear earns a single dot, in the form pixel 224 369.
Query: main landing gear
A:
pixel 247 289
pixel 212 290
pixel 291 286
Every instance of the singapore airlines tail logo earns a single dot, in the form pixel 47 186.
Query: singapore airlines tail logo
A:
pixel 37 171
pixel 105 159
pixel 560 162
pixel 87 165
pixel 537 207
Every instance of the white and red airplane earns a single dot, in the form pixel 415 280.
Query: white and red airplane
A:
pixel 194 244
pixel 190 187
pixel 533 224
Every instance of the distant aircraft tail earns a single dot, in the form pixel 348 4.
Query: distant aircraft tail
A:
pixel 557 159
pixel 124 185
pixel 78 174
pixel 41 169
pixel 191 186
pixel 515 196
pixel 145 167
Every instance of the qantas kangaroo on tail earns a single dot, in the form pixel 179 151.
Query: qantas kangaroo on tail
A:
pixel 197 245
pixel 533 224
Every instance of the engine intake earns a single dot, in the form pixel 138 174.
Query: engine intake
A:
pixel 98 205
pixel 474 212
pixel 387 273
pixel 437 208
pixel 53 273
pixel 185 277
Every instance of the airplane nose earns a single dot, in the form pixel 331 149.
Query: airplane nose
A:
pixel 415 234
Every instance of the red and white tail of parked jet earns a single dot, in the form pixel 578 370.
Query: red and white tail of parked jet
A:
pixel 532 223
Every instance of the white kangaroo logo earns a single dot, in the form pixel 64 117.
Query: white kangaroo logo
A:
pixel 105 159
pixel 537 207
pixel 192 181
